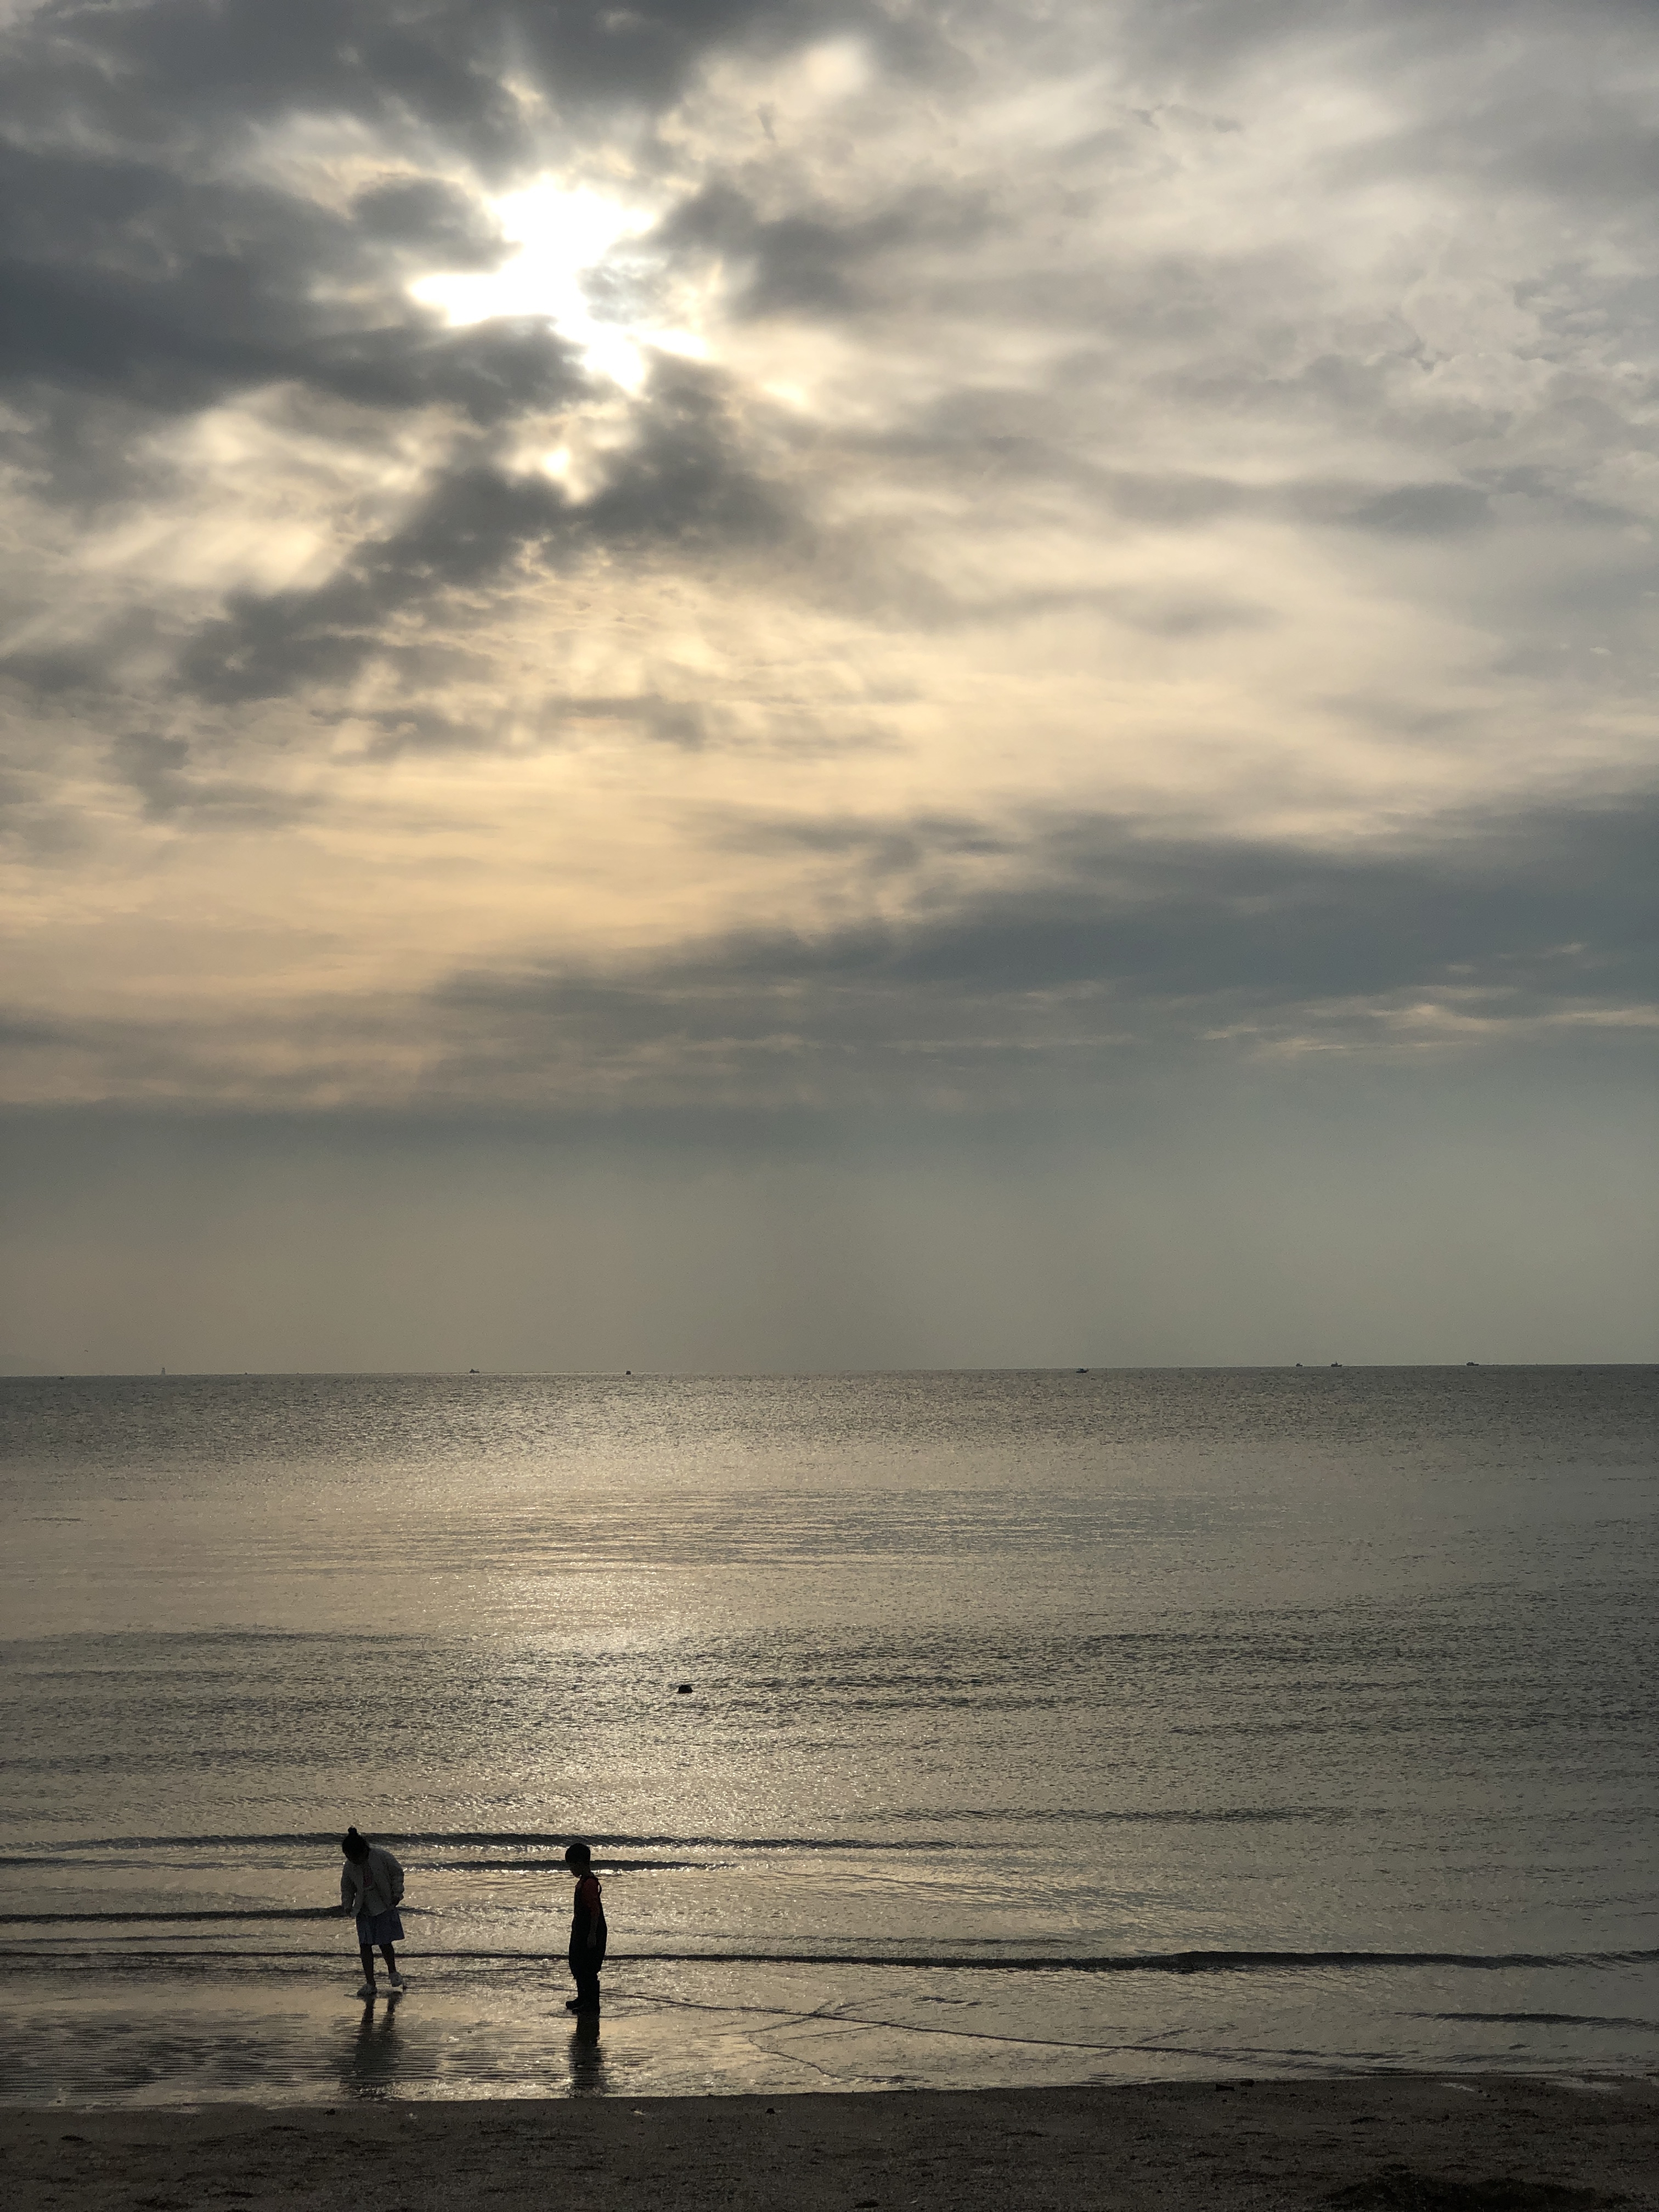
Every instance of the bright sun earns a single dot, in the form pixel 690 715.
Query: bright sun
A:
pixel 560 232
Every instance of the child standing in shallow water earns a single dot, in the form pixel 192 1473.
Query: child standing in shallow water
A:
pixel 372 1887
pixel 587 1930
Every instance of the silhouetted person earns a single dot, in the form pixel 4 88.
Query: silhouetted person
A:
pixel 372 1887
pixel 587 1930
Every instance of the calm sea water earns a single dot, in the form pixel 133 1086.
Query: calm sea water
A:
pixel 1042 1726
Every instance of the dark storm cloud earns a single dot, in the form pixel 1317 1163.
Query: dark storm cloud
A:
pixel 1116 940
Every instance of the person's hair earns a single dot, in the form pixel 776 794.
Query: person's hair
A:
pixel 577 1855
pixel 354 1846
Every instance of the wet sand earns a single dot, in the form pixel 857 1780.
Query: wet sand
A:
pixel 1393 2144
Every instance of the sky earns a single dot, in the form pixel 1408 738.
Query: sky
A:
pixel 804 683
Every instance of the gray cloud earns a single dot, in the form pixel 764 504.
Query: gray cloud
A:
pixel 1435 510
pixel 684 480
pixel 120 282
pixel 1112 954
pixel 1203 43
pixel 1044 415
pixel 1113 942
pixel 463 533
pixel 140 274
pixel 442 70
pixel 411 728
pixel 665 722
pixel 433 217
pixel 818 260
pixel 140 279
pixel 176 787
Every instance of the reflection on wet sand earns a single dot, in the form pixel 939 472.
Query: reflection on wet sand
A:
pixel 373 2063
pixel 252 2033
pixel 586 2058
pixel 380 2062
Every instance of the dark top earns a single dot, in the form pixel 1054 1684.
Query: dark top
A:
pixel 589 1911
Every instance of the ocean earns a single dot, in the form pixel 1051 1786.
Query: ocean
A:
pixel 1041 1726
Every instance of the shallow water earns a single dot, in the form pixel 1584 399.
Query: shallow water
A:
pixel 1041 1726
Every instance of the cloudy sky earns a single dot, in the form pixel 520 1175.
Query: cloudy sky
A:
pixel 752 682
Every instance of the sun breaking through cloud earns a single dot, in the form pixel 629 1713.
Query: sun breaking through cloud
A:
pixel 785 555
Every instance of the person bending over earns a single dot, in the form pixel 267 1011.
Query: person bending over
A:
pixel 372 1887
pixel 587 1930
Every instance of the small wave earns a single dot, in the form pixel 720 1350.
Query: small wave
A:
pixel 1147 1962
pixel 1545 2020
pixel 535 1839
pixel 496 1839
pixel 602 1860
pixel 1150 1962
pixel 272 1912
pixel 1221 1816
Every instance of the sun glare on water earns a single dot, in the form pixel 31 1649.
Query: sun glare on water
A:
pixel 561 233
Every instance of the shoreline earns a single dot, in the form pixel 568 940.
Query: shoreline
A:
pixel 1395 2143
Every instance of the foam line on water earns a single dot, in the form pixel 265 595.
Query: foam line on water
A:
pixel 263 1913
pixel 1548 2019
pixel 1151 1962
pixel 507 1839
pixel 603 1860
pixel 329 1838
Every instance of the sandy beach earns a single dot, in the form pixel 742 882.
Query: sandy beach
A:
pixel 1393 2144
